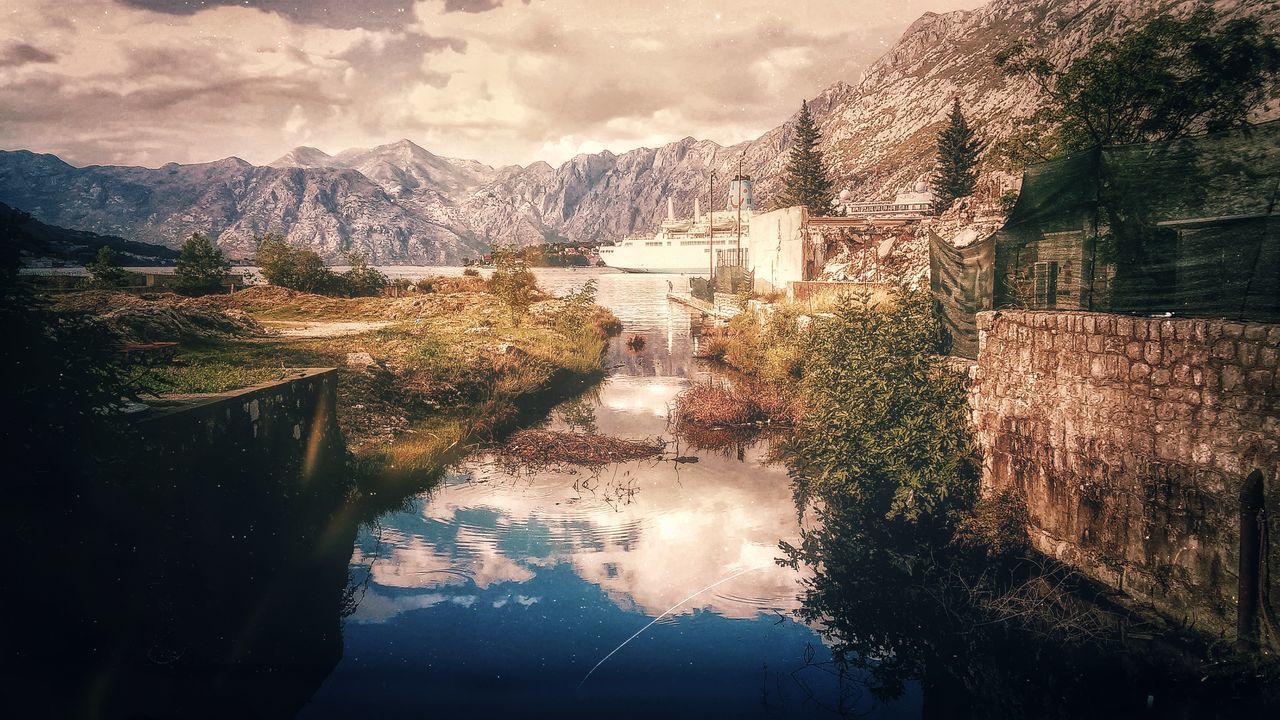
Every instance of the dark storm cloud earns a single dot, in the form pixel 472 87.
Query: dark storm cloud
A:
pixel 373 14
pixel 23 54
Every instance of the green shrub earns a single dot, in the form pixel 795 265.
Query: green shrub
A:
pixel 770 347
pixel 887 424
pixel 105 271
pixel 292 267
pixel 513 282
pixel 201 266
pixel 361 280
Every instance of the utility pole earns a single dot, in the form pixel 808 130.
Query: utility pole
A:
pixel 711 237
pixel 738 246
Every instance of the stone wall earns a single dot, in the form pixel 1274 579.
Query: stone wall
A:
pixel 1131 438
pixel 289 425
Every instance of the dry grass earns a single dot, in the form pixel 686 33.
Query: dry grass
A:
pixel 444 366
pixel 713 343
pixel 543 448
pixel 442 285
pixel 739 405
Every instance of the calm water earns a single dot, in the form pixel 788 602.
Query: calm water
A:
pixel 223 586
pixel 498 593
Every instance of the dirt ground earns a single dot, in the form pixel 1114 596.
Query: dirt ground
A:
pixel 309 329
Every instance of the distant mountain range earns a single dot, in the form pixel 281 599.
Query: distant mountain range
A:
pixel 399 203
pixel 36 241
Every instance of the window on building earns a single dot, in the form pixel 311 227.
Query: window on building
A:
pixel 1046 279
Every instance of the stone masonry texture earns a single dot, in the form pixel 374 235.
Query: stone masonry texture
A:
pixel 1130 438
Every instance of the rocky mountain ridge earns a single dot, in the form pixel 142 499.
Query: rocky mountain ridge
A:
pixel 401 203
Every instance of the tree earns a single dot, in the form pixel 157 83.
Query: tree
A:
pixel 512 281
pixel 361 279
pixel 957 169
pixel 806 181
pixel 886 424
pixel 201 266
pixel 1173 77
pixel 105 271
pixel 292 267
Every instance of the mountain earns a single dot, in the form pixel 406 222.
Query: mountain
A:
pixel 879 136
pixel 38 241
pixel 331 210
pixel 401 203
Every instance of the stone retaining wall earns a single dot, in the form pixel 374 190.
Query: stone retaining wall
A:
pixel 288 425
pixel 1131 438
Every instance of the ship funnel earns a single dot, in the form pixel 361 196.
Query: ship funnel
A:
pixel 697 210
pixel 740 193
pixel 671 209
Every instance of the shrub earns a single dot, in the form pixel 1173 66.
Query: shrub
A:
pixel 769 347
pixel 513 282
pixel 292 267
pixel 886 425
pixel 105 271
pixel 361 280
pixel 996 527
pixel 201 266
pixel 471 272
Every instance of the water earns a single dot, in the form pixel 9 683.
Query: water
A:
pixel 215 587
pixel 497 594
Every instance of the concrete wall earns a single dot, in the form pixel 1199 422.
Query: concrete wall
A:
pixel 1131 438
pixel 777 248
pixel 288 424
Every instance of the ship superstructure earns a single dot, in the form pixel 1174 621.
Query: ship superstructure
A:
pixel 685 246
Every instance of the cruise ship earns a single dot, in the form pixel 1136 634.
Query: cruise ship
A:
pixel 684 246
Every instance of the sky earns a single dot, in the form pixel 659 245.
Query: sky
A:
pixel 146 82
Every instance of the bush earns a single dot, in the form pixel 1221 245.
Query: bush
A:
pixel 361 280
pixel 471 272
pixel 201 266
pixel 105 271
pixel 996 527
pixel 886 425
pixel 771 348
pixel 294 268
pixel 513 282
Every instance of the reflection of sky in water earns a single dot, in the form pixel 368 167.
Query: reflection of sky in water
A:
pixel 496 594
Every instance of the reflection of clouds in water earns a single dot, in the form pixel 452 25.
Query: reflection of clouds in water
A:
pixel 411 561
pixel 688 527
pixel 682 534
pixel 376 608
pixel 646 396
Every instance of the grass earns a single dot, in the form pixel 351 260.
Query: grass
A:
pixel 450 368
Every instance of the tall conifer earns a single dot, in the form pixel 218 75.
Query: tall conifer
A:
pixel 957 168
pixel 806 181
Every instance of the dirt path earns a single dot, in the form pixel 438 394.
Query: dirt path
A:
pixel 308 329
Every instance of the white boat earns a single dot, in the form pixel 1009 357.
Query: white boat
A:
pixel 684 246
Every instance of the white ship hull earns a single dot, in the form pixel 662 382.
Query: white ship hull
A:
pixel 673 251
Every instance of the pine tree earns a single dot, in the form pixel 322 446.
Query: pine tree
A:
pixel 201 266
pixel 105 271
pixel 806 181
pixel 957 169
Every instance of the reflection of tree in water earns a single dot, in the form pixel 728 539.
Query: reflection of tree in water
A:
pixel 899 607
pixel 579 414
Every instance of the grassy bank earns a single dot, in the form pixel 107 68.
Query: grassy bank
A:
pixel 419 374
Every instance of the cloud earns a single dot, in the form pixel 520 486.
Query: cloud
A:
pixel 22 54
pixel 325 13
pixel 154 81
pixel 473 6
